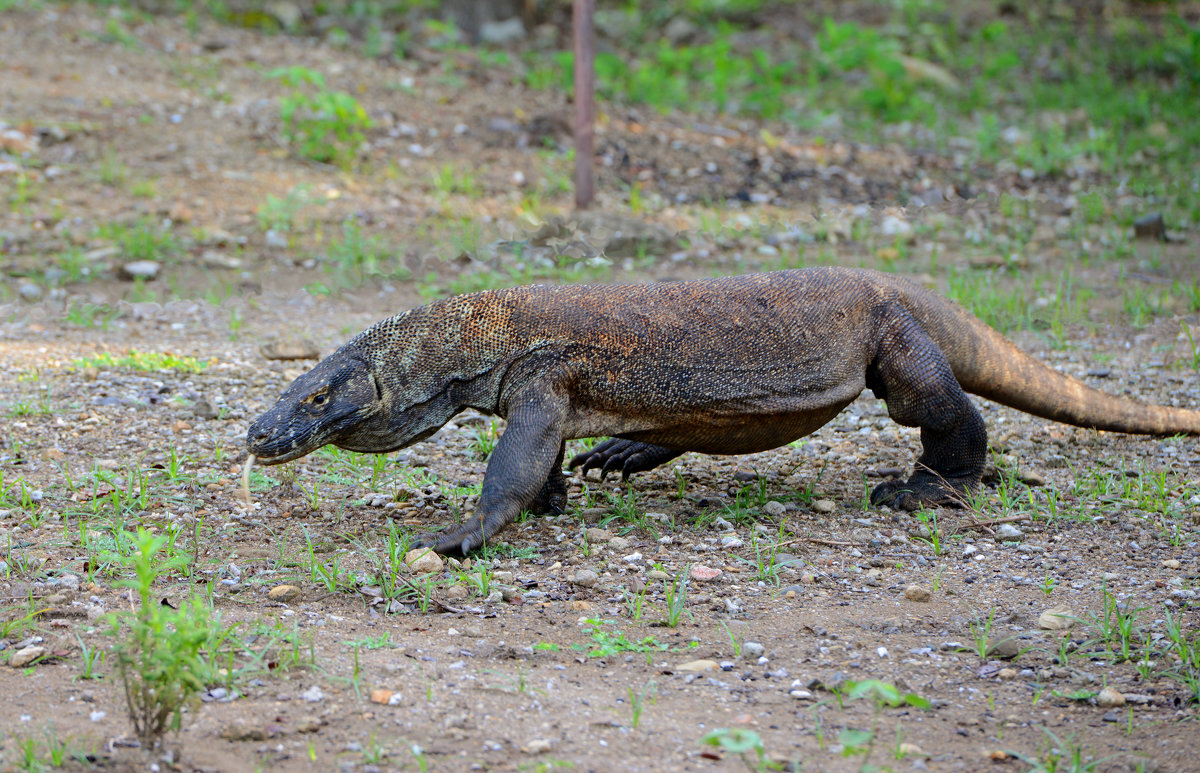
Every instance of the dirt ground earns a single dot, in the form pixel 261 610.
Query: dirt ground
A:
pixel 567 661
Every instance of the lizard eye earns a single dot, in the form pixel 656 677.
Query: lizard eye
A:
pixel 319 398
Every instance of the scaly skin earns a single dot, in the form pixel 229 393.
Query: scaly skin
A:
pixel 721 366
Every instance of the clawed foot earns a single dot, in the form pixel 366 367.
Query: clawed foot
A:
pixel 455 541
pixel 628 456
pixel 918 492
pixel 552 499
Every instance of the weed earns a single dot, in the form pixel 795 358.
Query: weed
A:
pixel 932 534
pixel 279 214
pixel 143 361
pixel 143 239
pixel 676 593
pixel 637 702
pixel 324 125
pixel 163 656
pixel 1059 755
pixel 448 179
pixel 609 643
pixel 483 441
pixel 981 633
pixel 745 743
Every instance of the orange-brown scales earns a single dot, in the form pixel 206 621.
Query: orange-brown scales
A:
pixel 722 366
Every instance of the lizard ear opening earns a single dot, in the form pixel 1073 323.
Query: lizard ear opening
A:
pixel 378 387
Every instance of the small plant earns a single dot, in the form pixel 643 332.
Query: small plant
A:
pixel 143 361
pixel 981 633
pixel 483 441
pixel 609 643
pixel 1060 755
pixel 932 533
pixel 745 743
pixel 676 593
pixel 163 656
pixel 324 125
pixel 637 702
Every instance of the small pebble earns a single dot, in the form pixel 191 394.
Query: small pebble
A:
pixel 1110 697
pixel 916 593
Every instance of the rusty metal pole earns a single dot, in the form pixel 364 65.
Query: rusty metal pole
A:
pixel 585 102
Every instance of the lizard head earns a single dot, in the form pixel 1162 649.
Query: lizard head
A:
pixel 340 401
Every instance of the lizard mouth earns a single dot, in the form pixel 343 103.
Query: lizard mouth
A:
pixel 279 458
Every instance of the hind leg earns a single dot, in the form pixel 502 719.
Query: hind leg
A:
pixel 628 456
pixel 552 497
pixel 913 376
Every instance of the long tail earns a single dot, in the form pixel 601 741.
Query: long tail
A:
pixel 989 365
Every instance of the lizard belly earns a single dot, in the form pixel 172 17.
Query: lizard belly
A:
pixel 745 434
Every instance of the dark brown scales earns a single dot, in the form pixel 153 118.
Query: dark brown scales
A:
pixel 723 366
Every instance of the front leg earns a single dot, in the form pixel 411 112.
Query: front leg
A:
pixel 521 466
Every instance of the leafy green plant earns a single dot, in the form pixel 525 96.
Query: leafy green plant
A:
pixel 143 361
pixel 163 656
pixel 745 743
pixel 322 124
pixel 609 643
pixel 143 239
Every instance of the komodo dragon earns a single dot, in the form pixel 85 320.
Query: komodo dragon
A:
pixel 721 366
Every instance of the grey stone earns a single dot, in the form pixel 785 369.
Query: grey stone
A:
pixel 139 269
pixel 500 33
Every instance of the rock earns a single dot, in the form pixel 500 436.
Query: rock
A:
pixel 1056 619
pixel 538 746
pixel 774 509
pixel 1030 478
pixel 275 239
pixel 896 228
pixel 586 578
pixel 26 655
pixel 618 543
pixel 731 542
pixel 501 33
pixel 240 730
pixel 30 291
pixel 698 666
pixel 1009 532
pixel 293 349
pixel 139 269
pixel 1110 697
pixel 681 30
pixel 823 506
pixel 801 695
pixel 287 13
pixel 457 592
pixel 385 697
pixel 1004 649
pixel 702 573
pixel 752 649
pixel 916 593
pixel 423 561
pixel 1171 563
pixel 284 593
pixel 593 514
pixel 657 574
pixel 745 476
pixel 1008 673
pixel 1150 226
pixel 969 551
pixel 596 534
pixel 312 695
